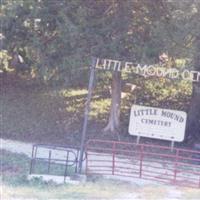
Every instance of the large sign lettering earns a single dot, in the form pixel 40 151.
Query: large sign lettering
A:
pixel 147 70
pixel 157 123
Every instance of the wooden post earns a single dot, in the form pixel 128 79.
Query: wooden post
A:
pixel 113 158
pixel 86 114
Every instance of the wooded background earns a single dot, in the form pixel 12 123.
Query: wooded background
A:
pixel 50 43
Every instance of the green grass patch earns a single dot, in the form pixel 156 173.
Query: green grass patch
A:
pixel 100 108
pixel 15 169
pixel 57 169
pixel 14 183
pixel 72 92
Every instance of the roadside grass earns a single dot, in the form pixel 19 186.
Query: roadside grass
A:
pixel 105 189
pixel 15 185
pixel 84 191
pixel 41 167
pixel 15 168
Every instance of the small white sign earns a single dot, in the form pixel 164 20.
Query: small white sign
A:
pixel 157 123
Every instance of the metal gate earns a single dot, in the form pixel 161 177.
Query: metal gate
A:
pixel 146 161
pixel 54 160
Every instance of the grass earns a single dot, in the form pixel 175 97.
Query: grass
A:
pixel 41 167
pixel 83 191
pixel 106 190
pixel 70 93
pixel 15 168
pixel 14 183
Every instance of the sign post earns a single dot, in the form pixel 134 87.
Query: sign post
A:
pixel 86 113
pixel 138 140
pixel 172 146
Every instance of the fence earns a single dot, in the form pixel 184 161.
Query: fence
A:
pixel 54 160
pixel 152 162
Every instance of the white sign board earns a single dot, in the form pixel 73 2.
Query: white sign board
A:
pixel 157 123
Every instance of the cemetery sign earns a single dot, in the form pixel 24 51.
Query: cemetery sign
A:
pixel 157 123
pixel 147 70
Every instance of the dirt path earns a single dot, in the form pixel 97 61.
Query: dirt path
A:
pixel 26 148
pixel 16 146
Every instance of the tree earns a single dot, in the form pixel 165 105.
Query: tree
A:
pixel 193 125
pixel 133 33
pixel 57 38
pixel 46 34
pixel 187 26
pixel 114 118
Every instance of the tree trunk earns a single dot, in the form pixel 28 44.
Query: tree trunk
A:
pixel 114 118
pixel 193 124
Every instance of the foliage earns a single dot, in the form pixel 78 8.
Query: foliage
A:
pixel 4 61
pixel 56 40
pixel 58 37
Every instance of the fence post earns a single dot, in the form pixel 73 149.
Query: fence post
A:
pixel 77 157
pixel 49 161
pixel 34 153
pixel 32 160
pixel 113 158
pixel 199 181
pixel 86 159
pixel 66 166
pixel 175 166
pixel 141 159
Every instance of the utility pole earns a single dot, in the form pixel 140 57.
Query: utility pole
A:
pixel 86 113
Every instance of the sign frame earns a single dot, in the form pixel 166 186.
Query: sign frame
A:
pixel 157 123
